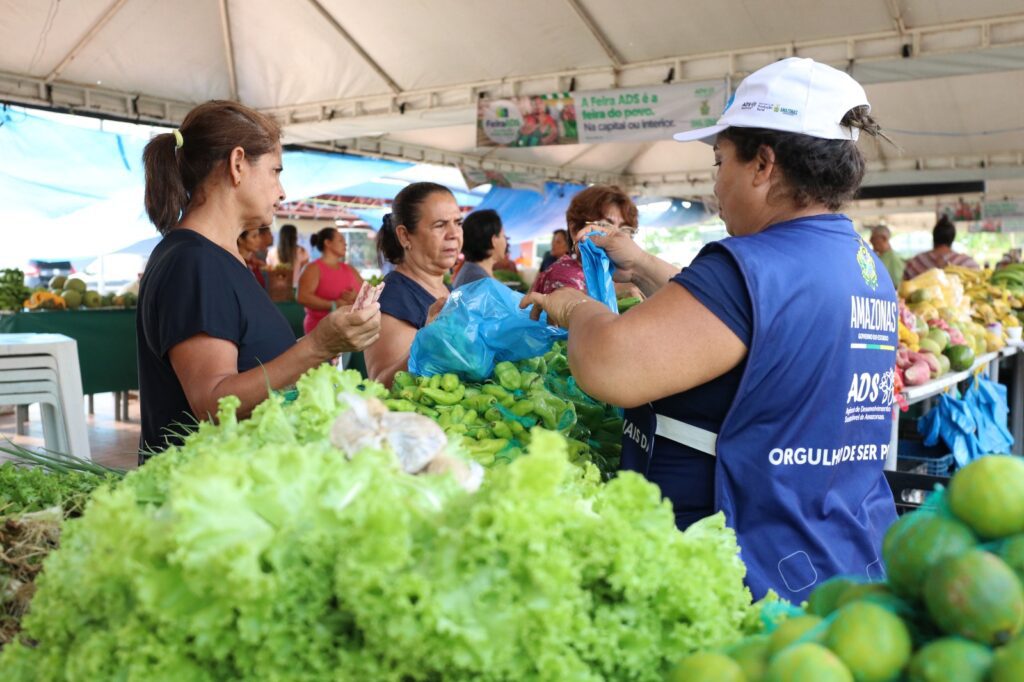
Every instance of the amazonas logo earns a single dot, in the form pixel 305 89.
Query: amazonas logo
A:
pixel 867 266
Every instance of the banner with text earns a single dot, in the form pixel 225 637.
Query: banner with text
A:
pixel 646 113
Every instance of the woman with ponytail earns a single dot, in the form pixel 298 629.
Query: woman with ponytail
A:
pixel 329 282
pixel 206 329
pixel 422 238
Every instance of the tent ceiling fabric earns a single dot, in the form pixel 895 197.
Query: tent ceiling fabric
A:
pixel 329 68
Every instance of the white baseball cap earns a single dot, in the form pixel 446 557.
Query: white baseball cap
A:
pixel 792 95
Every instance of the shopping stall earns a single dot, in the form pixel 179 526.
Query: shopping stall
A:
pixel 507 498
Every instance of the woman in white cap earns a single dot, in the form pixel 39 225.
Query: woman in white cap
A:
pixel 758 380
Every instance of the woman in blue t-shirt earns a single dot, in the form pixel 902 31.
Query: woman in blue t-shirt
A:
pixel 737 371
pixel 422 238
pixel 206 328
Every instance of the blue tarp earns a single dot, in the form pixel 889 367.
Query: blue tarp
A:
pixel 387 188
pixel 529 215
pixel 71 192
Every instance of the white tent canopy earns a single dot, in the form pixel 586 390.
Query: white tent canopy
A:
pixel 402 78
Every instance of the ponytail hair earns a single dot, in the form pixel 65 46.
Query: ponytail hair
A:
pixel 320 239
pixel 177 163
pixel 406 209
pixel 389 249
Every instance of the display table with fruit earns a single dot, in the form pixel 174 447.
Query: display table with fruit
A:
pixel 106 340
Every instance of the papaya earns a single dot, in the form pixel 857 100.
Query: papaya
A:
pixel 950 659
pixel 977 596
pixel 961 357
pixel 988 495
pixel 72 298
pixel 915 543
pixel 76 284
pixel 871 641
pixel 940 337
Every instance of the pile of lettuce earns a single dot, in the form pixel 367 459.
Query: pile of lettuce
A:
pixel 258 551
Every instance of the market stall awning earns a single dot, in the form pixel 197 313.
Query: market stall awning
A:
pixel 377 78
pixel 527 214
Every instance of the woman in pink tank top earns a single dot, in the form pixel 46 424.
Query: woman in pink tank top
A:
pixel 328 282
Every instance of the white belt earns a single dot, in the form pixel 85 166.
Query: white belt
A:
pixel 689 435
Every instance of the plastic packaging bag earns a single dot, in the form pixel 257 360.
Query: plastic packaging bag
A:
pixel 597 270
pixel 987 401
pixel 480 326
pixel 953 421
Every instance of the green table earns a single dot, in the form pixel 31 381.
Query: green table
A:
pixel 107 350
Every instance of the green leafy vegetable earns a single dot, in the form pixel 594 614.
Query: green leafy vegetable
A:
pixel 258 551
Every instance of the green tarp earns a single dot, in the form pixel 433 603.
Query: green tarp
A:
pixel 106 342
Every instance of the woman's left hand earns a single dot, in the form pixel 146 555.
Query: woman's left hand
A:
pixel 559 304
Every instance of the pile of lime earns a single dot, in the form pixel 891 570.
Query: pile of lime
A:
pixel 951 609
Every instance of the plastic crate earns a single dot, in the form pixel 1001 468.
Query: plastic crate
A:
pixel 930 466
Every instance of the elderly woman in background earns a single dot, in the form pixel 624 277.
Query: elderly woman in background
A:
pixel 422 238
pixel 483 242
pixel 602 207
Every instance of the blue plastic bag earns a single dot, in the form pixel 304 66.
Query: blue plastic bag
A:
pixel 953 421
pixel 987 401
pixel 597 270
pixel 480 326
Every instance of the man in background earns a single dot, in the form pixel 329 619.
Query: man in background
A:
pixel 880 235
pixel 942 253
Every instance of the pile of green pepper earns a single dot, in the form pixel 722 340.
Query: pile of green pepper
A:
pixel 495 418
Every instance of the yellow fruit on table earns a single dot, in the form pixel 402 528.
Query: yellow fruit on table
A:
pixel 871 641
pixel 988 495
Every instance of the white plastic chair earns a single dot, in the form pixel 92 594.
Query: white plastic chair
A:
pixel 28 374
pixel 30 351
pixel 45 393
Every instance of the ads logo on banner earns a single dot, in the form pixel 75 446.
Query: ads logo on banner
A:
pixel 500 121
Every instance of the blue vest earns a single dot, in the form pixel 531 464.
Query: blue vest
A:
pixel 799 457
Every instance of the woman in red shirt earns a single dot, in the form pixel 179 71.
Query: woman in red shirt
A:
pixel 328 282
pixel 248 242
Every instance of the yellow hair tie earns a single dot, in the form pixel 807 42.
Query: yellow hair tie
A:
pixel 179 141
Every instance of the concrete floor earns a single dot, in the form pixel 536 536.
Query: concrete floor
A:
pixel 113 443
